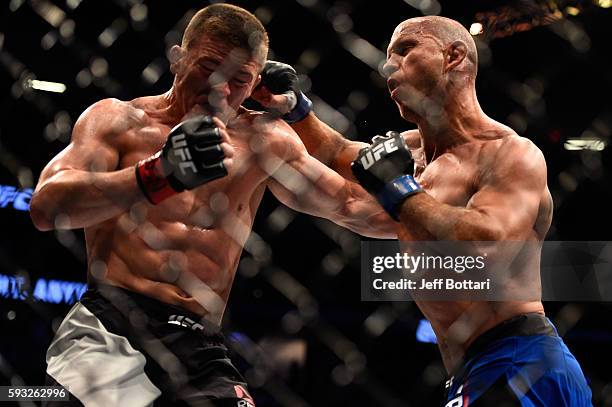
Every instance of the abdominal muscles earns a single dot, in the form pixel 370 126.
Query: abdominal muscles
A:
pixel 189 263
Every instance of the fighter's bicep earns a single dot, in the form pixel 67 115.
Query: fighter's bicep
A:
pixel 509 212
pixel 509 194
pixel 94 157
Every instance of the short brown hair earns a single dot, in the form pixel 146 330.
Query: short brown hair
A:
pixel 231 25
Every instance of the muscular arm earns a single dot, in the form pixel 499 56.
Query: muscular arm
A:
pixel 322 142
pixel 80 187
pixel 504 207
pixel 305 184
pixel 327 145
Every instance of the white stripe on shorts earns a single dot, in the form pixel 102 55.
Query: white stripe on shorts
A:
pixel 98 367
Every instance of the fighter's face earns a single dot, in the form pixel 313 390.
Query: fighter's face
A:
pixel 214 78
pixel 414 70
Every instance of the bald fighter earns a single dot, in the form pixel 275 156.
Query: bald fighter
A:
pixel 459 176
pixel 166 188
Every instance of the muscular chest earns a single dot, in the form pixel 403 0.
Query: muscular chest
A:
pixel 450 179
pixel 205 206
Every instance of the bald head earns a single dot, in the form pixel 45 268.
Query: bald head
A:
pixel 446 31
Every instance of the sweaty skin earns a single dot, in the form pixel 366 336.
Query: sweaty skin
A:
pixel 478 191
pixel 482 181
pixel 185 250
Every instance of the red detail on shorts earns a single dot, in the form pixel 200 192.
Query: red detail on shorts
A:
pixel 241 393
pixel 155 186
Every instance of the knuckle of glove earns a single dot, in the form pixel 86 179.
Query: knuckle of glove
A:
pixel 206 137
pixel 211 155
pixel 276 66
pixel 279 77
pixel 384 160
pixel 392 133
pixel 193 153
pixel 379 169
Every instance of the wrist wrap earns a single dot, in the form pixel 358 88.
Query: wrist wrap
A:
pixel 301 109
pixel 397 191
pixel 151 180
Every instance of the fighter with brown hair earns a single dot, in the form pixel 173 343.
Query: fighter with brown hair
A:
pixel 459 176
pixel 166 188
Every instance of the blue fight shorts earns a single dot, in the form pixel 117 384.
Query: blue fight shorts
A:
pixel 520 362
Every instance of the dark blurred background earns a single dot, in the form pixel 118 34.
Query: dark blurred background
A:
pixel 295 321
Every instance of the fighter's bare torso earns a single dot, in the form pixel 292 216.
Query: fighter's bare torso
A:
pixel 185 250
pixel 453 178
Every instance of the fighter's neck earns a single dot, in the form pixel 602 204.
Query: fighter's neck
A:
pixel 171 108
pixel 164 109
pixel 461 123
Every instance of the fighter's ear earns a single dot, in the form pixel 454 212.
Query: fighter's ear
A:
pixel 257 81
pixel 175 55
pixel 456 53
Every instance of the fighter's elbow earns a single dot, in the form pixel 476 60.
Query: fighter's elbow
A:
pixel 41 211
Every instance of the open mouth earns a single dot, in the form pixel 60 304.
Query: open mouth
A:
pixel 392 84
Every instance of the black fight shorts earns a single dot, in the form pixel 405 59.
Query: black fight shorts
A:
pixel 116 347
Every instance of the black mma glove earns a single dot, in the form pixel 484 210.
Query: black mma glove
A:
pixel 191 156
pixel 385 169
pixel 282 79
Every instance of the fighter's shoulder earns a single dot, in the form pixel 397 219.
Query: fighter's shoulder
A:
pixel 510 153
pixel 107 118
pixel 263 121
pixel 270 132
pixel 513 145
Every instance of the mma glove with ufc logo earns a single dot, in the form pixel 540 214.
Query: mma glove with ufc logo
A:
pixel 192 156
pixel 385 169
pixel 282 79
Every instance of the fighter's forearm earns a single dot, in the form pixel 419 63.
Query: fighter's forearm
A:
pixel 321 141
pixel 432 220
pixel 326 144
pixel 78 199
pixel 350 207
pixel 320 192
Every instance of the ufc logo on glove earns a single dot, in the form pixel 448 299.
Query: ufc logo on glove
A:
pixel 375 154
pixel 385 169
pixel 179 145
